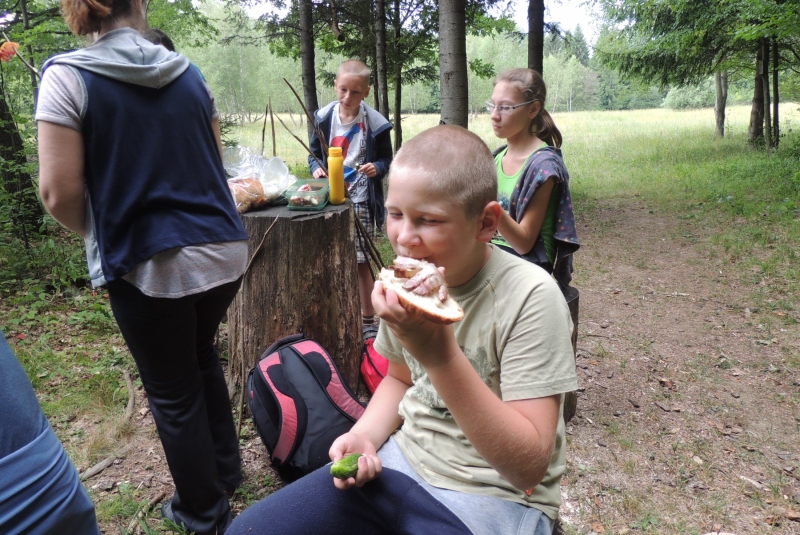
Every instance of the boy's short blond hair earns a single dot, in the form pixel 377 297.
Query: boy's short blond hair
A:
pixel 458 164
pixel 355 67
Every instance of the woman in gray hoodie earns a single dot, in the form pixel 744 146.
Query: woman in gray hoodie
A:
pixel 130 158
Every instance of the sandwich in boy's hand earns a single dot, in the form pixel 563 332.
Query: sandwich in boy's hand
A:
pixel 421 289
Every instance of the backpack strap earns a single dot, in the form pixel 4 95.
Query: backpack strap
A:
pixel 285 341
pixel 288 421
pixel 336 389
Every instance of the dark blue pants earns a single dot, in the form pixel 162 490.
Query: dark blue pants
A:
pixel 391 504
pixel 172 342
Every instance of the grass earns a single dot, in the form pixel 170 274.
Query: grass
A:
pixel 670 161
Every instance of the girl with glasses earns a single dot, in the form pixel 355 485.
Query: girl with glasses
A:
pixel 533 183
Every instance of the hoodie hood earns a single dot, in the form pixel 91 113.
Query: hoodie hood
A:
pixel 125 55
pixel 377 122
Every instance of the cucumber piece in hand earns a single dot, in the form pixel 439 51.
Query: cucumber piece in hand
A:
pixel 346 467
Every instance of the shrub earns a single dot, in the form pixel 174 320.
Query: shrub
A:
pixel 699 96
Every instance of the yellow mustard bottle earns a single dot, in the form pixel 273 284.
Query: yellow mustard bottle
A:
pixel 336 174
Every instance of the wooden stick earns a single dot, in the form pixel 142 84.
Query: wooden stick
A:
pixel 302 143
pixel 363 236
pixel 374 253
pixel 131 397
pixel 264 129
pixel 322 139
pixel 260 245
pixel 105 463
pixel 143 511
pixel 242 394
pixel 272 123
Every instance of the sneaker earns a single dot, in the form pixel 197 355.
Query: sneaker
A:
pixel 166 512
pixel 370 332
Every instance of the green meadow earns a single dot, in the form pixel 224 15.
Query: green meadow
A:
pixel 671 158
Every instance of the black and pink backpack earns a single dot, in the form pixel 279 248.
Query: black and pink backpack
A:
pixel 300 404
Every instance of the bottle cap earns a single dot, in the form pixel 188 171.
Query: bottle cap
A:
pixel 334 151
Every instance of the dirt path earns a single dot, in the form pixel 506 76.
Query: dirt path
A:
pixel 689 413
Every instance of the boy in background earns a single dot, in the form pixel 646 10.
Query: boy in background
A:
pixel 363 135
pixel 481 449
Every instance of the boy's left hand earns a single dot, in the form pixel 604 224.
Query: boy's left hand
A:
pixel 368 169
pixel 431 344
pixel 369 464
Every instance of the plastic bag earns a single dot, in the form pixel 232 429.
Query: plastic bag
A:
pixel 255 181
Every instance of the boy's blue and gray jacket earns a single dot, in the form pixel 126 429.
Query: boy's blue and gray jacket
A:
pixel 379 152
pixel 154 175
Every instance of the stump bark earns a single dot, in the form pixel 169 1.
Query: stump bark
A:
pixel 303 279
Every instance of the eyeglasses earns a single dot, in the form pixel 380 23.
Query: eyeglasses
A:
pixel 505 110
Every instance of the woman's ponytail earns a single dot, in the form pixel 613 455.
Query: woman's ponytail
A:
pixel 84 17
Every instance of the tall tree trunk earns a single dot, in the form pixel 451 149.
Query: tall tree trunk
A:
pixel 453 61
pixel 721 93
pixel 27 25
pixel 536 35
pixel 765 81
pixel 26 210
pixel 756 130
pixel 370 58
pixel 307 59
pixel 380 61
pixel 398 108
pixel 376 90
pixel 398 82
pixel 776 130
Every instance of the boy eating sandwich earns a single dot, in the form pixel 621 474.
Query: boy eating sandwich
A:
pixel 464 435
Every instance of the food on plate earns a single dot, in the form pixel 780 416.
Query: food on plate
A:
pixel 421 289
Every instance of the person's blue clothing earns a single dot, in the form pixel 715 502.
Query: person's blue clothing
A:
pixel 40 490
pixel 397 502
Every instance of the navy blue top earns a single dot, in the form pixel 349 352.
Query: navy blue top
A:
pixel 153 170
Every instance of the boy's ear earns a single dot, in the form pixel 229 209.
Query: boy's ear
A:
pixel 366 93
pixel 489 219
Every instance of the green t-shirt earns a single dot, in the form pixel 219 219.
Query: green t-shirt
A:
pixel 516 332
pixel 505 187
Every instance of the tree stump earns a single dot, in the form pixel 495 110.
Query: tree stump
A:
pixel 303 279
pixel 572 296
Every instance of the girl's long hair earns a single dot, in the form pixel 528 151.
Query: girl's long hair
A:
pixel 532 86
